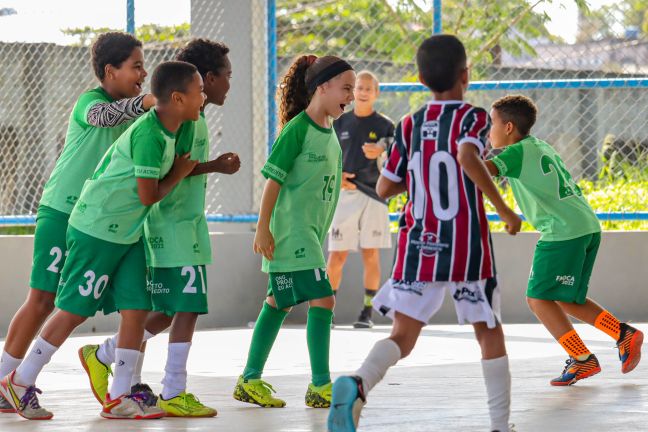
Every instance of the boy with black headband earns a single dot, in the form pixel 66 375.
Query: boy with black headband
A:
pixel 297 207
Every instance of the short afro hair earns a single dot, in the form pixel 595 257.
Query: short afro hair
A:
pixel 171 76
pixel 112 48
pixel 206 55
pixel 440 60
pixel 519 110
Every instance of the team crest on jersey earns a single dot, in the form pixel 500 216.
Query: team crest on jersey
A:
pixel 71 199
pixel 196 248
pixel 81 207
pixel 113 228
pixel 430 130
pixel 200 143
pixel 344 135
pixel 300 253
pixel 471 295
pixel 428 244
pixel 373 135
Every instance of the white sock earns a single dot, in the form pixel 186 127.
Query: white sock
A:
pixel 8 364
pixel 40 354
pixel 498 387
pixel 137 373
pixel 125 361
pixel 175 377
pixel 106 351
pixel 384 354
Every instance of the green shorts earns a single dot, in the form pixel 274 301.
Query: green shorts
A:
pixel 95 268
pixel 292 288
pixel 50 249
pixel 178 289
pixel 561 269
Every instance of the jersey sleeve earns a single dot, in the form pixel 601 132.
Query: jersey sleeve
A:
pixel 509 162
pixel 84 104
pixel 474 129
pixel 148 151
pixel 285 150
pixel 396 165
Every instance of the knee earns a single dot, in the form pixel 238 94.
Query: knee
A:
pixel 326 302
pixel 337 259
pixel 41 302
pixel 531 302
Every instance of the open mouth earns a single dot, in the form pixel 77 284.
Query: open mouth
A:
pixel 138 86
pixel 343 106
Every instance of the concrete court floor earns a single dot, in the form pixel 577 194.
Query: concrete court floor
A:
pixel 438 388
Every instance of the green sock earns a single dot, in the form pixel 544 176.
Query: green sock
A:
pixel 318 335
pixel 265 332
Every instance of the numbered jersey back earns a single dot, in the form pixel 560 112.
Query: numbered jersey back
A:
pixel 443 232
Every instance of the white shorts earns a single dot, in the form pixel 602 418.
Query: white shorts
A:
pixel 359 221
pixel 474 302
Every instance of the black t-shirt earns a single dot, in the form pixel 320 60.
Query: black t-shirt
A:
pixel 353 132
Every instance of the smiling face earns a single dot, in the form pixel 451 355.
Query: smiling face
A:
pixel 128 78
pixel 366 92
pixel 337 93
pixel 191 100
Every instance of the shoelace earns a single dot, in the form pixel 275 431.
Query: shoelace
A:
pixel 141 399
pixel 149 397
pixel 267 387
pixel 568 363
pixel 30 398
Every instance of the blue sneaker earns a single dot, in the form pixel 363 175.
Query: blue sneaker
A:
pixel 576 370
pixel 347 401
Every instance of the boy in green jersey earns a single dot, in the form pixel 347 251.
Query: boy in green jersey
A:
pixel 178 249
pixel 98 118
pixel 106 251
pixel 301 192
pixel 570 236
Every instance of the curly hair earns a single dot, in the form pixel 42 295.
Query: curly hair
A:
pixel 206 55
pixel 519 110
pixel 112 48
pixel 293 91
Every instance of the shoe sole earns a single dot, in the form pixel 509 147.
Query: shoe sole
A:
pixel 7 410
pixel 345 393
pixel 247 399
pixel 634 357
pixel 5 394
pixel 109 416
pixel 361 325
pixel 191 416
pixel 87 369
pixel 577 378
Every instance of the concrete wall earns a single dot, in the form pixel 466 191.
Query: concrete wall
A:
pixel 237 286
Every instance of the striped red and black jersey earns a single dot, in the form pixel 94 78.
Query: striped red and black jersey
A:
pixel 443 233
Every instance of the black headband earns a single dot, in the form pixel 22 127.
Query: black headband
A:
pixel 330 71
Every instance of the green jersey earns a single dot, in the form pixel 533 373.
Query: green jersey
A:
pixel 176 229
pixel 306 160
pixel 545 191
pixel 84 146
pixel 109 207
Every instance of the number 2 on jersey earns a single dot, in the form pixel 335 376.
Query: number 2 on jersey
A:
pixel 566 185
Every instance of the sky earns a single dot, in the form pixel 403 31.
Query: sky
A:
pixel 42 20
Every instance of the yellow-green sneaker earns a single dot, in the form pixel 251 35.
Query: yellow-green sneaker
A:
pixel 98 372
pixel 185 405
pixel 319 397
pixel 258 392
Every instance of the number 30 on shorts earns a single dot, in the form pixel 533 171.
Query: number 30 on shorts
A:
pixel 93 285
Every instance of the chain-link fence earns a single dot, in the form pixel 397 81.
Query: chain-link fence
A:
pixel 601 132
pixel 40 82
pixel 599 126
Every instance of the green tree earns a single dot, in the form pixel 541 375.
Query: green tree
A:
pixel 147 33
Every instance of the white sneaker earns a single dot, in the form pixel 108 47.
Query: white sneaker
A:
pixel 23 399
pixel 130 406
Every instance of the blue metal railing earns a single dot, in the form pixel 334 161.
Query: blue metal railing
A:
pixel 555 84
pixel 252 218
pixel 130 16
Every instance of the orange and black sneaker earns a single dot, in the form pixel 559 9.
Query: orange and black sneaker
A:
pixel 576 370
pixel 629 345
